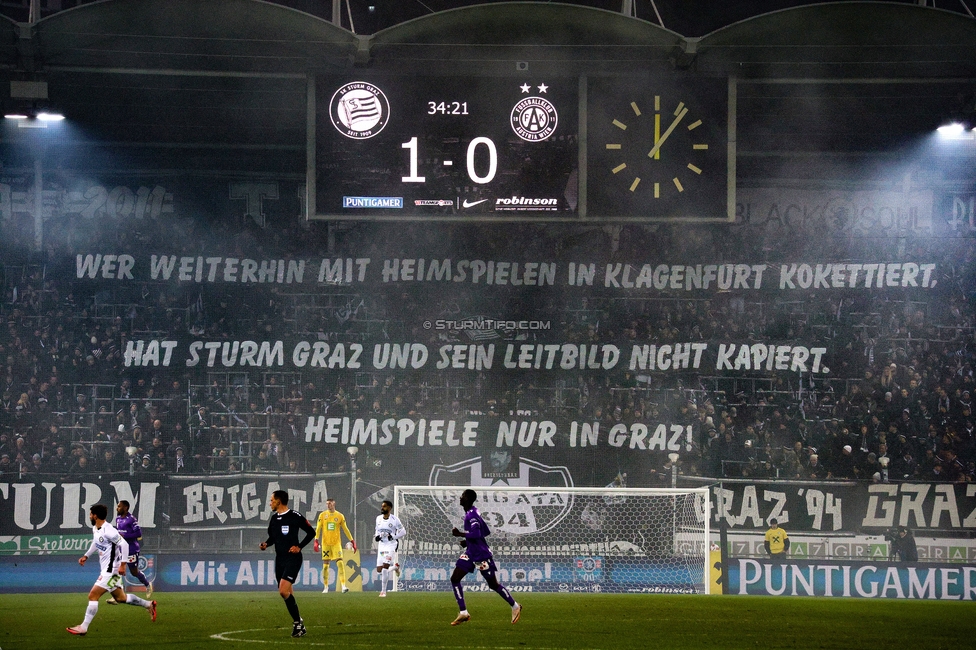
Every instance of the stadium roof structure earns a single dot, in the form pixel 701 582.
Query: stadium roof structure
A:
pixel 685 17
pixel 223 84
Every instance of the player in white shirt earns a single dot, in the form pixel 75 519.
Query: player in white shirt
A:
pixel 113 552
pixel 389 532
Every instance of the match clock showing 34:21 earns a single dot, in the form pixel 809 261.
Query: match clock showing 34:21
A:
pixel 659 150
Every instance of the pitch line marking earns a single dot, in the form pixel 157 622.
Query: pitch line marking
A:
pixel 222 636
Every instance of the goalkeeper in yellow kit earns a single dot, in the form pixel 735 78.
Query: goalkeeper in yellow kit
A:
pixel 327 529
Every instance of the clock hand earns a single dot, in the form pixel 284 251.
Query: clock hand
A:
pixel 657 146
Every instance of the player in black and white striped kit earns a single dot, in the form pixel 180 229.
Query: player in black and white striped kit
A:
pixel 283 535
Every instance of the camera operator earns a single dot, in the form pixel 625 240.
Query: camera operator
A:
pixel 902 545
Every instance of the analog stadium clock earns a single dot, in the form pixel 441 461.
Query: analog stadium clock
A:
pixel 662 148
pixel 659 149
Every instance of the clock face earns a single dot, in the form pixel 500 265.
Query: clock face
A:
pixel 659 151
pixel 664 145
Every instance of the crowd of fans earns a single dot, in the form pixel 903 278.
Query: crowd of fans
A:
pixel 895 406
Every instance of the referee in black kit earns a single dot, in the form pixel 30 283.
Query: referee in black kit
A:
pixel 283 533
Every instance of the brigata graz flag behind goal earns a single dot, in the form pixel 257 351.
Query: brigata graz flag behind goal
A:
pixel 562 539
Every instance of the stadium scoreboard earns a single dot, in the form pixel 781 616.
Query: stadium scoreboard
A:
pixel 527 147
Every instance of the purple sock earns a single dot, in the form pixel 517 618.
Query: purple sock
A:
pixel 142 577
pixel 459 595
pixel 503 592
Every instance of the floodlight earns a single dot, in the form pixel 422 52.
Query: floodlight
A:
pixel 952 130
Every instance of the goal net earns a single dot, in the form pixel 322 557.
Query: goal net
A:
pixel 615 540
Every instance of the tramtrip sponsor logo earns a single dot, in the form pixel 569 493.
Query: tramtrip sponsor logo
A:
pixel 440 203
pixel 359 110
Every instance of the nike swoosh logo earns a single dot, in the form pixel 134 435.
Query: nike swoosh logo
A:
pixel 471 204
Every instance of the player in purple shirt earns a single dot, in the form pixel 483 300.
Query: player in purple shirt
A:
pixel 476 555
pixel 128 527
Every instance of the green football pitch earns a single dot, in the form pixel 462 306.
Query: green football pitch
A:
pixel 422 620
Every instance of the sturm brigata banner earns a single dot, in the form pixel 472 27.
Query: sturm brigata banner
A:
pixel 59 508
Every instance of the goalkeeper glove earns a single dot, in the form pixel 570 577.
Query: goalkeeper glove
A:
pixel 463 543
pixel 354 545
pixel 378 538
pixel 389 538
pixel 315 546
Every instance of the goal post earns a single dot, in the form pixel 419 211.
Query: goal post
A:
pixel 612 540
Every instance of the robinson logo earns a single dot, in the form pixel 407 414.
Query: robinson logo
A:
pixel 522 203
pixel 359 110
pixel 534 119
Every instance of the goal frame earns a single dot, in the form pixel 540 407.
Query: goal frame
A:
pixel 702 529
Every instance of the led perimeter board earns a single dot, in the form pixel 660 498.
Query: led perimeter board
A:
pixel 527 147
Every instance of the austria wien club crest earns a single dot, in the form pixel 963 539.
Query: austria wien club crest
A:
pixel 359 110
pixel 534 118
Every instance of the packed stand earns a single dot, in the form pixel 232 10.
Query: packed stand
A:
pixel 898 408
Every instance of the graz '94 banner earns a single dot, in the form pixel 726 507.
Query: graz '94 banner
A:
pixel 824 507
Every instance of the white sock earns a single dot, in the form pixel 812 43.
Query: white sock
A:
pixel 384 577
pixel 135 600
pixel 89 614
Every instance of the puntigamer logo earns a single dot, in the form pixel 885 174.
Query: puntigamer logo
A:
pixel 359 110
pixel 388 202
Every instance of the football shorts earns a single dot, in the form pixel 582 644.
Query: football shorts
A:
pixel 466 564
pixel 332 553
pixel 385 553
pixel 109 581
pixel 288 568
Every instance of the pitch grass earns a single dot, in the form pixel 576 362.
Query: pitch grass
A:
pixel 421 620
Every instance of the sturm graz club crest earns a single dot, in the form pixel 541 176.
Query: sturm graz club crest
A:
pixel 534 118
pixel 523 510
pixel 359 110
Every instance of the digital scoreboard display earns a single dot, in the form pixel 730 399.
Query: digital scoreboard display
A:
pixel 512 148
pixel 449 147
